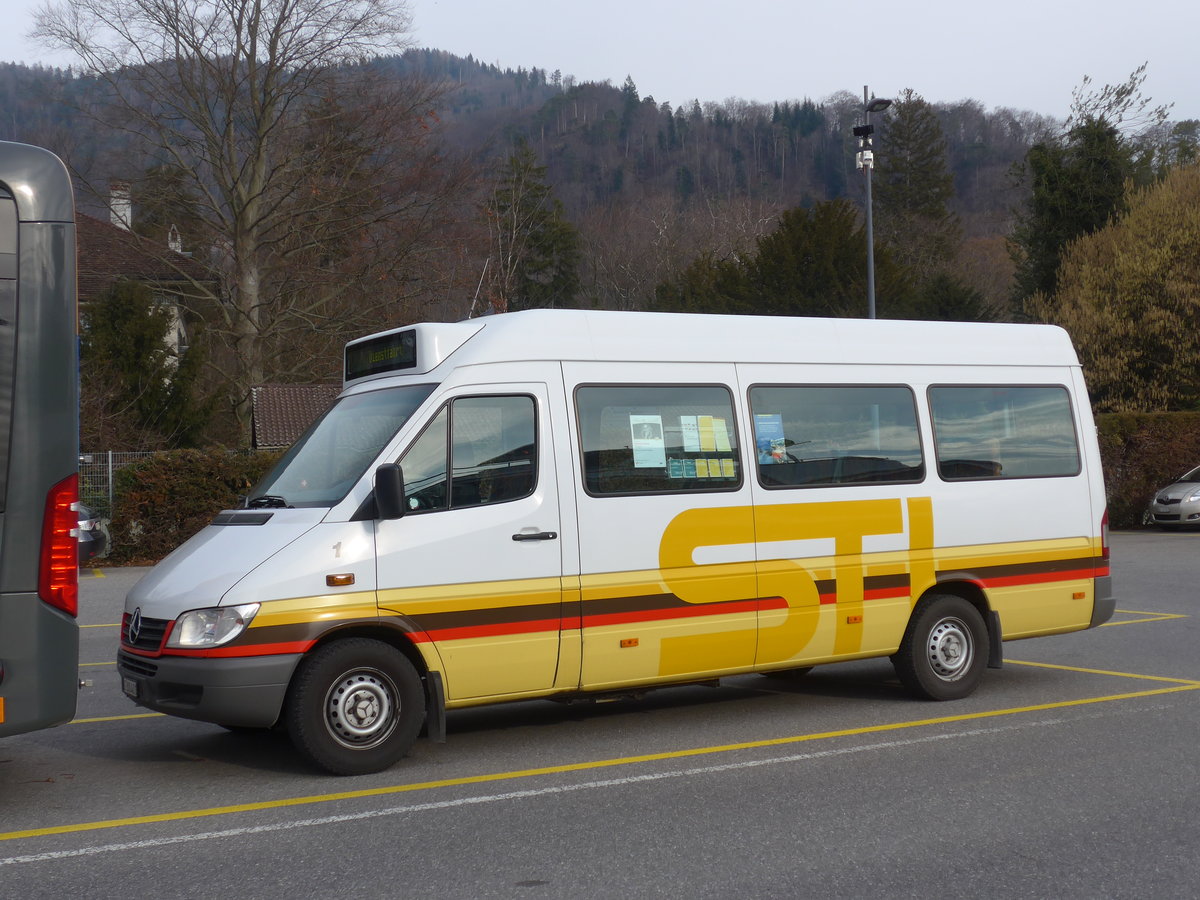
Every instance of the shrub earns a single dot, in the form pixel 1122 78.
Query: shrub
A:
pixel 163 500
pixel 1141 453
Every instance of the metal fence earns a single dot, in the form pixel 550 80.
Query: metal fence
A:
pixel 96 474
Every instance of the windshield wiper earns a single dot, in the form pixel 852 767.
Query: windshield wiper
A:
pixel 267 501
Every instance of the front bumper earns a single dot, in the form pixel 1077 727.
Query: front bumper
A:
pixel 243 691
pixel 1178 513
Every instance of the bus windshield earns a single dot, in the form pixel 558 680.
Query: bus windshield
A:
pixel 332 456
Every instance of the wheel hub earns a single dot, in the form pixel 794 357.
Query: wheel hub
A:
pixel 950 649
pixel 360 709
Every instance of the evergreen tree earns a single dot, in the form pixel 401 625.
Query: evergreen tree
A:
pixel 813 264
pixel 707 285
pixel 913 188
pixel 137 393
pixel 945 298
pixel 1077 185
pixel 1078 179
pixel 535 250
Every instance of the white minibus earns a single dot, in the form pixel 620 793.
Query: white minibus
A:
pixel 565 503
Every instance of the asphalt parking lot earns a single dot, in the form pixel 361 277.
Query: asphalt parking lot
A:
pixel 1072 772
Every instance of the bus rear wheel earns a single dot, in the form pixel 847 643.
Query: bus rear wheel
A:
pixel 355 706
pixel 944 650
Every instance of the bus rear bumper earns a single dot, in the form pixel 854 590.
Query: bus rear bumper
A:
pixel 1105 603
pixel 245 692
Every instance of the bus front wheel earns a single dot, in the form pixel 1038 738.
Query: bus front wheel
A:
pixel 945 649
pixel 355 706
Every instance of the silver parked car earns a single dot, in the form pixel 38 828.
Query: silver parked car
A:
pixel 1178 503
pixel 93 535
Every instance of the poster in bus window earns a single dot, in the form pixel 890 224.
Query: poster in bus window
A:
pixel 689 429
pixel 721 435
pixel 649 450
pixel 769 440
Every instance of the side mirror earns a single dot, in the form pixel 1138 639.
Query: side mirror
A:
pixel 389 491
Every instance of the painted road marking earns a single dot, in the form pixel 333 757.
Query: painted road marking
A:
pixel 1177 685
pixel 494 798
pixel 148 715
pixel 1146 617
pixel 513 795
pixel 1040 665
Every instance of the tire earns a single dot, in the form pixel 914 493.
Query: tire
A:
pixel 354 706
pixel 945 649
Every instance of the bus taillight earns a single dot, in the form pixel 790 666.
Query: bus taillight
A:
pixel 1104 535
pixel 58 568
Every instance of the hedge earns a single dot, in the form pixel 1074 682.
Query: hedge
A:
pixel 163 500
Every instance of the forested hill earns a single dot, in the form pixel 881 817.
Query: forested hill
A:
pixel 647 188
pixel 602 143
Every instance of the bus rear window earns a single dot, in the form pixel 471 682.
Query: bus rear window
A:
pixel 1003 432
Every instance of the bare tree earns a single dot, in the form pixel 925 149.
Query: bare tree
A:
pixel 310 174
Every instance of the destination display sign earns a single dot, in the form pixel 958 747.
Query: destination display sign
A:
pixel 386 353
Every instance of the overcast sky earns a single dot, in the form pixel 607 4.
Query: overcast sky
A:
pixel 1025 54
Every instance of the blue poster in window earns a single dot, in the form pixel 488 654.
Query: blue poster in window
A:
pixel 769 441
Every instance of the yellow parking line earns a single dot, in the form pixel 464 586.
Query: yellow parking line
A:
pixel 1041 665
pixel 149 715
pixel 1147 612
pixel 586 766
pixel 113 625
pixel 82 665
pixel 1146 617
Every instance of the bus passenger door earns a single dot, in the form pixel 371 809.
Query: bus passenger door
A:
pixel 666 539
pixel 476 561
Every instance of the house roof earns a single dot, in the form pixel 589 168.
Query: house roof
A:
pixel 108 253
pixel 282 412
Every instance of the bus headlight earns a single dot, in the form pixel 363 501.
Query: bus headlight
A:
pixel 211 627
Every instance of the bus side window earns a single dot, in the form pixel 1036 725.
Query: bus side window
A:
pixel 494 453
pixel 424 465
pixel 477 450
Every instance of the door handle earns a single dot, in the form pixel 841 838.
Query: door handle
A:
pixel 535 535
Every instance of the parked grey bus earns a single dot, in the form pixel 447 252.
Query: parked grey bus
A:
pixel 39 442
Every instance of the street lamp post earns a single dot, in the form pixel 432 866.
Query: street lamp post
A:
pixel 865 160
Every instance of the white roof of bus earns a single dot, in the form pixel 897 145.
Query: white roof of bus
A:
pixel 567 334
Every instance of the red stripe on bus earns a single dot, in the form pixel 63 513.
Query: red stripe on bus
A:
pixel 1038 578
pixel 497 630
pixel 574 623
pixel 245 650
